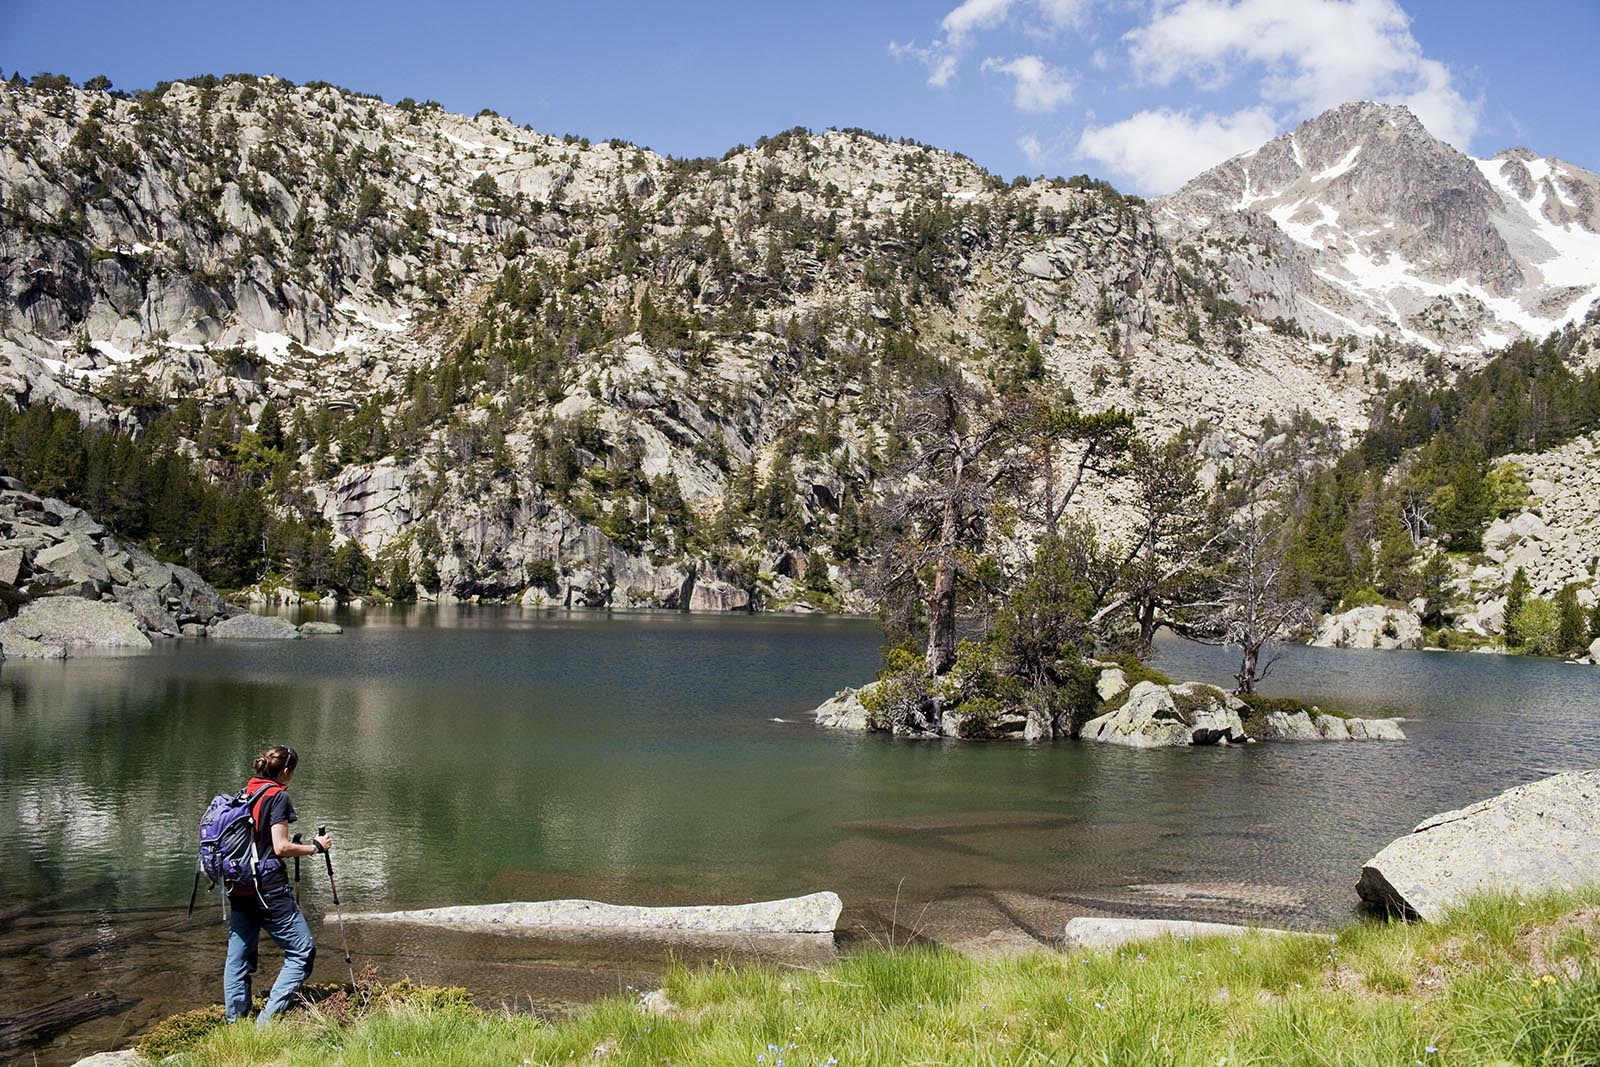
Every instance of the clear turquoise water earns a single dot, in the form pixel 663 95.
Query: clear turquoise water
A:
pixel 493 753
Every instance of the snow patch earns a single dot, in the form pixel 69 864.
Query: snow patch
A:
pixel 1338 168
pixel 1563 256
pixel 474 146
pixel 272 347
pixel 112 352
pixel 363 316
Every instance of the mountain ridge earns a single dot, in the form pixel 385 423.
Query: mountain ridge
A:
pixel 584 373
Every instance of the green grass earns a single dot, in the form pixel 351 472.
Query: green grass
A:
pixel 1503 980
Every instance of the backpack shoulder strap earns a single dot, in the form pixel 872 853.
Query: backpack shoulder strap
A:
pixel 260 796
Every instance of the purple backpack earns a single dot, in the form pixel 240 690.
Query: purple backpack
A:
pixel 228 852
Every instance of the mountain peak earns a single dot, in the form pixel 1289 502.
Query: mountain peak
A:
pixel 1376 226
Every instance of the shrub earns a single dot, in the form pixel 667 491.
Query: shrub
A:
pixel 903 693
pixel 1365 597
pixel 1136 671
pixel 178 1033
pixel 544 573
pixel 1537 625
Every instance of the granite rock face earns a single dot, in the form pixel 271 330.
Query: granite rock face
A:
pixel 816 913
pixel 1555 539
pixel 1160 716
pixel 1373 626
pixel 1535 837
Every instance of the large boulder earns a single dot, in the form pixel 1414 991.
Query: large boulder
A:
pixel 72 622
pixel 13 566
pixel 1161 716
pixel 148 609
pixel 15 646
pixel 1373 626
pixel 1536 837
pixel 844 710
pixel 74 561
pixel 253 628
pixel 717 595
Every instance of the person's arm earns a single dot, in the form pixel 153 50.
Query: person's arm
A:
pixel 283 848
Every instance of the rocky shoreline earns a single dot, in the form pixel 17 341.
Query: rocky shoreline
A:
pixel 67 586
pixel 1154 714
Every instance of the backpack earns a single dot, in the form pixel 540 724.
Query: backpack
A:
pixel 228 852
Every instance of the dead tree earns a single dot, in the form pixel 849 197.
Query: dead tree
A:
pixel 1258 607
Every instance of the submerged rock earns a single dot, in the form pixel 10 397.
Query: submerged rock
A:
pixel 253 627
pixel 320 629
pixel 1536 837
pixel 816 913
pixel 1086 932
pixel 72 622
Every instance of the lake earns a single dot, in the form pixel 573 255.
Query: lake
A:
pixel 478 754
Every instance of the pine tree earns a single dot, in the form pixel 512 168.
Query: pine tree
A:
pixel 352 571
pixel 269 427
pixel 1516 597
pixel 428 574
pixel 1570 631
pixel 1594 620
pixel 1435 588
pixel 401 588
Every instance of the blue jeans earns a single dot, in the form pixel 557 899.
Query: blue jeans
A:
pixel 282 919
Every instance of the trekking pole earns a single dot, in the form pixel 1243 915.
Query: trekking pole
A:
pixel 322 831
pixel 296 840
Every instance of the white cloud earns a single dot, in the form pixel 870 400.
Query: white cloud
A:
pixel 1038 87
pixel 1063 14
pixel 1029 145
pixel 1160 150
pixel 1316 54
pixel 970 17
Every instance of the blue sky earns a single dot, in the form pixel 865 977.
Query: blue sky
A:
pixel 1144 92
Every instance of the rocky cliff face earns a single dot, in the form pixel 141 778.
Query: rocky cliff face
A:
pixel 1359 221
pixel 575 372
pixel 1555 540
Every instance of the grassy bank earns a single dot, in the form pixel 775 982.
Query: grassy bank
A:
pixel 1504 980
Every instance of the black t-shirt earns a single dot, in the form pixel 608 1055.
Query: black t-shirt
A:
pixel 273 808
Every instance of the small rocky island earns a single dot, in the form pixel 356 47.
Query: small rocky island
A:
pixel 67 584
pixel 1150 713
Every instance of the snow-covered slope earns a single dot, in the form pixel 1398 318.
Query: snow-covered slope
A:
pixel 1361 222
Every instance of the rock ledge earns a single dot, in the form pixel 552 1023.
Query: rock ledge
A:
pixel 815 913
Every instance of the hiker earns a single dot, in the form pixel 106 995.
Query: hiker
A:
pixel 270 901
